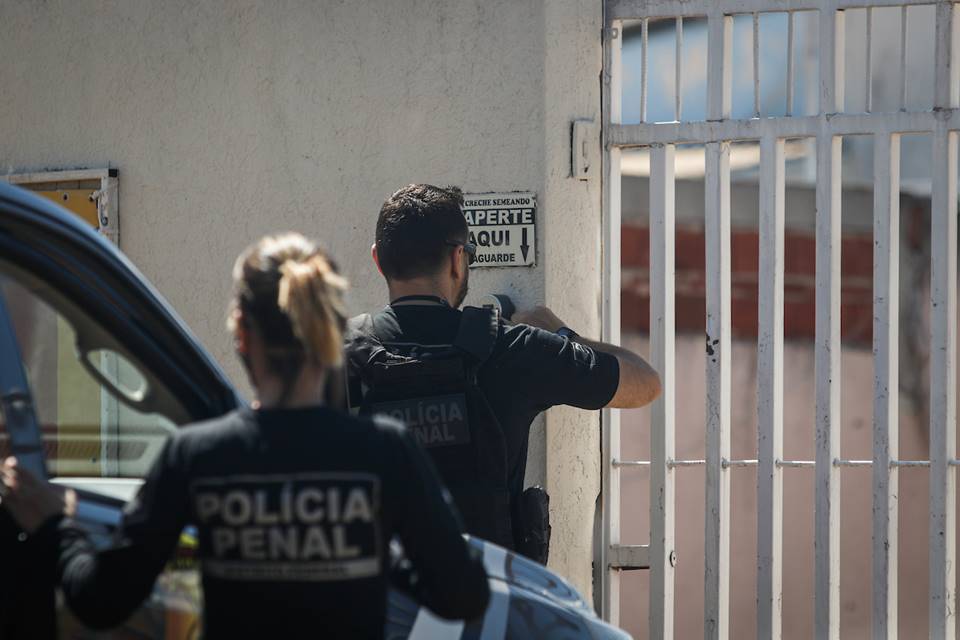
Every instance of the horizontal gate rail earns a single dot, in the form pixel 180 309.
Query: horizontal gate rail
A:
pixel 840 124
pixel 838 462
pixel 636 9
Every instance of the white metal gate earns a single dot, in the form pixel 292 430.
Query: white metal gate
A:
pixel 828 127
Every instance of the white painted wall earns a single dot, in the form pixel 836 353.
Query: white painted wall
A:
pixel 231 120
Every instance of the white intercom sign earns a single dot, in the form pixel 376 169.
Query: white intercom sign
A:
pixel 503 226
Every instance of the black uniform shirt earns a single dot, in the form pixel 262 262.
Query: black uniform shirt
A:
pixel 295 510
pixel 529 371
pixel 27 597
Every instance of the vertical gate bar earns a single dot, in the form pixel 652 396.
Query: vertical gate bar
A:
pixel 770 391
pixel 662 353
pixel 827 339
pixel 868 76
pixel 643 71
pixel 903 58
pixel 832 32
pixel 717 227
pixel 886 385
pixel 790 65
pixel 756 64
pixel 719 65
pixel 946 62
pixel 610 418
pixel 943 371
pixel 943 318
pixel 678 104
pixel 827 357
pixel 717 528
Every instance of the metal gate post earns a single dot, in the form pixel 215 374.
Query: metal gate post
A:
pixel 662 415
pixel 609 586
pixel 770 391
pixel 717 526
pixel 827 340
pixel 886 385
pixel 943 335
pixel 717 229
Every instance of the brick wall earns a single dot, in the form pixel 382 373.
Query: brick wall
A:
pixel 799 283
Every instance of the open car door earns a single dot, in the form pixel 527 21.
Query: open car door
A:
pixel 19 419
pixel 95 371
pixel 26 595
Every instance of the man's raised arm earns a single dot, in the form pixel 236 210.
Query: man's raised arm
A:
pixel 639 383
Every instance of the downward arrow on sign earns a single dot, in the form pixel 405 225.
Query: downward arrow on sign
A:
pixel 524 247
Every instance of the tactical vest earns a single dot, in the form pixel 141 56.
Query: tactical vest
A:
pixel 433 390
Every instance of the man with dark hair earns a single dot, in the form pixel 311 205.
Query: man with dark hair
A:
pixel 416 228
pixel 466 383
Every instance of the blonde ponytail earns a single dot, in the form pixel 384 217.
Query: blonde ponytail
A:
pixel 310 294
pixel 289 291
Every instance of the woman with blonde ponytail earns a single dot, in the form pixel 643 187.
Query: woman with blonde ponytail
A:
pixel 309 294
pixel 295 502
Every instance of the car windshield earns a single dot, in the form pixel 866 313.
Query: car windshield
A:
pixel 101 412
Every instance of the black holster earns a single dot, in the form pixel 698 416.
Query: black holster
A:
pixel 532 524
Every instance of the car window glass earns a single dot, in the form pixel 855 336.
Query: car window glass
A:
pixel 89 400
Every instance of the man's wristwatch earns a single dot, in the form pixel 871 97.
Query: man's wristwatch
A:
pixel 568 333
